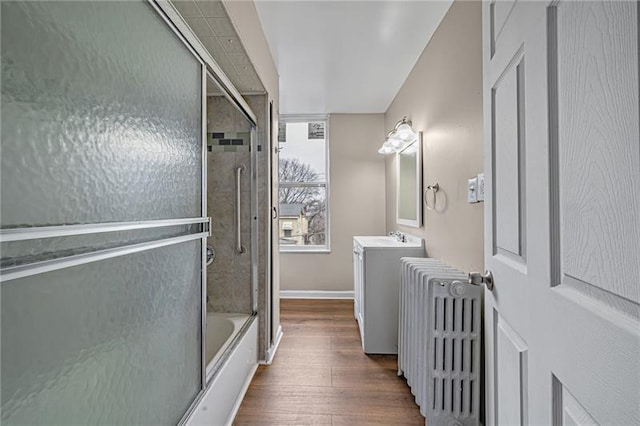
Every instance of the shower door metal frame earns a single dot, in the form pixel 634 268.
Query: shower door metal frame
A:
pixel 211 69
pixel 203 284
pixel 23 234
pixel 255 254
pixel 167 12
pixel 253 170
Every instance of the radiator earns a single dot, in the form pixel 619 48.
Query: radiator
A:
pixel 439 340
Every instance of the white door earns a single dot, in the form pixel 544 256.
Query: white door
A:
pixel 562 149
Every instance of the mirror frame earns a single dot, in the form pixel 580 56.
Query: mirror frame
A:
pixel 417 223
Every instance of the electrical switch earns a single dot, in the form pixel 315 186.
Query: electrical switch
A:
pixel 472 195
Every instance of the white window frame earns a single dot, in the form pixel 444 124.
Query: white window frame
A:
pixel 326 248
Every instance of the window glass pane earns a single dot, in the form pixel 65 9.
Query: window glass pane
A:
pixel 114 342
pixel 303 216
pixel 101 115
pixel 304 154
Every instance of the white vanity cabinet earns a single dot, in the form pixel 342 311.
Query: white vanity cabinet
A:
pixel 376 276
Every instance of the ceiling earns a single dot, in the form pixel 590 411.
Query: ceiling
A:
pixel 209 21
pixel 345 56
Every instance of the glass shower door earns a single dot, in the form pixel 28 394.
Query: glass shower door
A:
pixel 102 215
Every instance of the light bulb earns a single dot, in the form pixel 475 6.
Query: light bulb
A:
pixel 396 141
pixel 386 150
pixel 389 144
pixel 404 132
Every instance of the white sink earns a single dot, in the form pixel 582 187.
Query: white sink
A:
pixel 386 241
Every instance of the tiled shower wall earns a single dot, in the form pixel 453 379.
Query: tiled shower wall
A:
pixel 228 145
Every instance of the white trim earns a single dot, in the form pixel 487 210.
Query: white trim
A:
pixel 241 394
pixel 303 249
pixel 271 352
pixel 301 118
pixel 327 179
pixel 417 223
pixel 315 294
pixel 303 184
pixel 268 299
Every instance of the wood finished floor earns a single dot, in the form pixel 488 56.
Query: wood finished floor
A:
pixel 320 376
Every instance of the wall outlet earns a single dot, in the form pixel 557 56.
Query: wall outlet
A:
pixel 472 194
pixel 481 187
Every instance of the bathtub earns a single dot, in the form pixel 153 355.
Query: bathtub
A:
pixel 231 350
pixel 221 331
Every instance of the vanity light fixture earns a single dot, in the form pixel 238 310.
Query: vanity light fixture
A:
pixel 401 135
pixel 386 150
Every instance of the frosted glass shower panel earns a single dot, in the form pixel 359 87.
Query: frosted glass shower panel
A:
pixel 101 111
pixel 101 114
pixel 113 342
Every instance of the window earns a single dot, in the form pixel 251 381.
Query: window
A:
pixel 303 184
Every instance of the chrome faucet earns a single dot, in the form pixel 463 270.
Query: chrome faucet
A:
pixel 399 236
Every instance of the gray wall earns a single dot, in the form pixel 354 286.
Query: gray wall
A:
pixel 443 97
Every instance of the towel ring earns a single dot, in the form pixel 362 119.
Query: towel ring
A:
pixel 434 188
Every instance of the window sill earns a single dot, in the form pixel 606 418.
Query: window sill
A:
pixel 309 250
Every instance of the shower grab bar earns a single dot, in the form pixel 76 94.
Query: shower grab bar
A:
pixel 240 249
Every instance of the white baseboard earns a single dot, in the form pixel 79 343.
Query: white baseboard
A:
pixel 271 352
pixel 315 294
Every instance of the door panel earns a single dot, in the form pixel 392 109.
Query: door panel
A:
pixel 569 411
pixel 562 235
pixel 508 104
pixel 598 137
pixel 593 350
pixel 511 374
pixel 499 12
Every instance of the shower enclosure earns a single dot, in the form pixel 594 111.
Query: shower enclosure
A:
pixel 231 201
pixel 104 217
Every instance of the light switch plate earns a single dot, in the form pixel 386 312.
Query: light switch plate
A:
pixel 481 187
pixel 472 194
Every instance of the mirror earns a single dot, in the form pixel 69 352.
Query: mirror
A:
pixel 409 184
